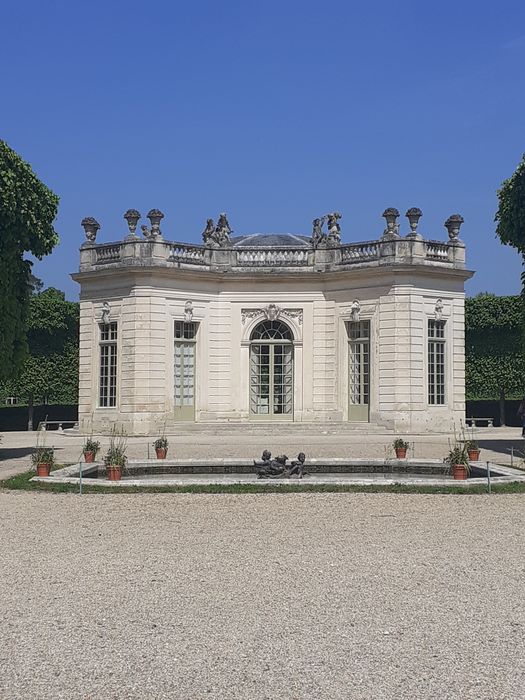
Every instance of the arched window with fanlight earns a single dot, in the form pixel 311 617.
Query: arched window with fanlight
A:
pixel 271 371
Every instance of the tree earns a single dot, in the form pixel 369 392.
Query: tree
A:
pixel 50 370
pixel 27 211
pixel 511 212
pixel 494 362
pixel 511 223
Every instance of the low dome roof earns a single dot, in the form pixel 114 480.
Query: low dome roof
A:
pixel 271 240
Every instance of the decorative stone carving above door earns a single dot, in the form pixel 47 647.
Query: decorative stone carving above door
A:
pixel 272 312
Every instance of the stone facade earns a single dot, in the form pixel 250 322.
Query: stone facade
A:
pixel 143 287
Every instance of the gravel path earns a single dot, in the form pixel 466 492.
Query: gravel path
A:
pixel 261 596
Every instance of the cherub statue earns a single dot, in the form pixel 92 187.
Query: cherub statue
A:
pixel 268 468
pixel 147 232
pixel 208 233
pixel 318 235
pixel 223 230
pixel 297 466
pixel 334 230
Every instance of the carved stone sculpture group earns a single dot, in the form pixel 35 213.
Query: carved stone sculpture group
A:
pixel 217 236
pixel 278 468
pixel 330 238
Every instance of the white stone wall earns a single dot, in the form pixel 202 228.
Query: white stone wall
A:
pixel 146 307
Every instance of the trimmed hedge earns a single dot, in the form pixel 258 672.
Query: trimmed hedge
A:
pixel 15 417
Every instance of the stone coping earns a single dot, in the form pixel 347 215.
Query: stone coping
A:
pixel 137 252
pixel 69 475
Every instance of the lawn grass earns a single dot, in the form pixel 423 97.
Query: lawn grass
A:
pixel 22 482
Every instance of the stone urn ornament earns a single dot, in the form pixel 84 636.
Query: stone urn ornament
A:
pixel 453 224
pixel 90 226
pixel 413 215
pixel 132 216
pixel 155 216
pixel 391 215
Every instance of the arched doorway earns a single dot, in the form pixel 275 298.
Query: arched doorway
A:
pixel 271 371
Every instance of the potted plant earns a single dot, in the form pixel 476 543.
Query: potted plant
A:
pixel 161 447
pixel 472 450
pixel 43 458
pixel 90 449
pixel 401 447
pixel 458 461
pixel 115 459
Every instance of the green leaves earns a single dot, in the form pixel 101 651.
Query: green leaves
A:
pixel 494 359
pixel 27 211
pixel 511 212
pixel 51 368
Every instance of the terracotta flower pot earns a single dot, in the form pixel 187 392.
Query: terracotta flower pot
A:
pixel 43 469
pixel 459 472
pixel 114 472
pixel 89 457
pixel 401 452
pixel 161 452
pixel 473 455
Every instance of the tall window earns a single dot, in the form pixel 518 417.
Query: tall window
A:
pixel 358 369
pixel 107 396
pixel 436 362
pixel 184 369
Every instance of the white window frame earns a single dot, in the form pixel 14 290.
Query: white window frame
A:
pixel 108 360
pixel 436 361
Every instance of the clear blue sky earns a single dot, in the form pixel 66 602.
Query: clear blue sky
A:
pixel 275 112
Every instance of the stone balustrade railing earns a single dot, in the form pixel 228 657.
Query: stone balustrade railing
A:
pixel 187 253
pixel 436 250
pixel 271 257
pixel 107 253
pixel 403 250
pixel 360 252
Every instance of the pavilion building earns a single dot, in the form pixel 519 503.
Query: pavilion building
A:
pixel 272 327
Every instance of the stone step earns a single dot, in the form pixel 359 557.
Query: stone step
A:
pixel 273 428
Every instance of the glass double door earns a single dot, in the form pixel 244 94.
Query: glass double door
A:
pixel 184 381
pixel 358 370
pixel 271 381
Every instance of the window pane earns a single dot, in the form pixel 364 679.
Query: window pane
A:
pixel 359 361
pixel 436 362
pixel 108 365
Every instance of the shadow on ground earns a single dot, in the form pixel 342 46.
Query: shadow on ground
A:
pixel 504 446
pixel 15 452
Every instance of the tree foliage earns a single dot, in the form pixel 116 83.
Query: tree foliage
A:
pixel 494 361
pixel 511 212
pixel 27 211
pixel 51 368
pixel 511 225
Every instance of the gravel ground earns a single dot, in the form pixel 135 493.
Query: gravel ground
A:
pixel 374 596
